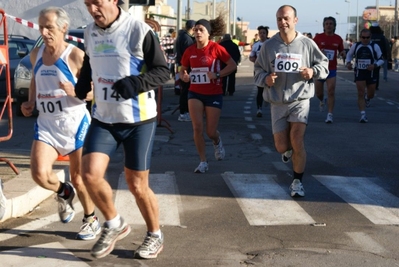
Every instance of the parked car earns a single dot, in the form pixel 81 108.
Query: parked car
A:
pixel 18 47
pixel 23 72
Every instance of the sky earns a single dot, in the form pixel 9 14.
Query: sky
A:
pixel 310 13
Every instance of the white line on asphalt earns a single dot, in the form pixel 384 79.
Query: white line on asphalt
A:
pixel 256 136
pixel 371 200
pixel 50 254
pixel 251 126
pixel 247 107
pixel 248 118
pixel 265 149
pixel 164 186
pixel 264 202
pixel 366 243
pixel 36 224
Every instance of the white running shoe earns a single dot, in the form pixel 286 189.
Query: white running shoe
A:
pixel 202 167
pixel 363 118
pixel 66 210
pixel 151 247
pixel 219 150
pixel 286 156
pixel 322 104
pixel 297 188
pixel 90 229
pixel 184 117
pixel 329 118
pixel 3 201
pixel 259 113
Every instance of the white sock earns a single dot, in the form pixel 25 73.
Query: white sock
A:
pixel 115 222
pixel 158 233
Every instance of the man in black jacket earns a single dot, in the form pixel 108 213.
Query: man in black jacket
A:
pixel 229 82
pixel 184 40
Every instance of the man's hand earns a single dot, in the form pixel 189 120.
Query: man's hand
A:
pixel 185 77
pixel 270 79
pixel 68 87
pixel 306 73
pixel 27 108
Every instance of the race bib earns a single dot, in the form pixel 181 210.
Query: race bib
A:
pixel 287 62
pixel 103 89
pixel 362 64
pixel 199 76
pixel 329 54
pixel 53 102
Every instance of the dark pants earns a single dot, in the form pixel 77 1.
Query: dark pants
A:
pixel 229 84
pixel 183 102
pixel 259 98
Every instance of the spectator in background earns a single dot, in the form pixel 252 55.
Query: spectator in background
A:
pixel 240 47
pixel 254 40
pixel 184 40
pixel 395 54
pixel 347 46
pixel 167 43
pixel 309 35
pixel 378 37
pixel 263 32
pixel 229 81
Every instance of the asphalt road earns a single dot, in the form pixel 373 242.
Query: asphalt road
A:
pixel 240 212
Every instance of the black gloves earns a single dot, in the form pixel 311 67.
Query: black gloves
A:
pixel 126 87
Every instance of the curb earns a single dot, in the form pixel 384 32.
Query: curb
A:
pixel 23 194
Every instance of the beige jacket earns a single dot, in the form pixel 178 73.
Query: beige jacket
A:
pixel 395 50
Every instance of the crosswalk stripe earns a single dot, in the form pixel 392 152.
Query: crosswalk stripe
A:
pixel 264 202
pixel 371 200
pixel 50 254
pixel 164 186
pixel 366 243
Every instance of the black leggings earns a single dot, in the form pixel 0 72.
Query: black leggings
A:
pixel 259 97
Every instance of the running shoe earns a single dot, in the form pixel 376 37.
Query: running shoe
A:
pixel 184 117
pixel 219 150
pixel 329 118
pixel 151 247
pixel 259 113
pixel 286 156
pixel 363 118
pixel 65 206
pixel 202 167
pixel 90 229
pixel 297 188
pixel 106 243
pixel 3 201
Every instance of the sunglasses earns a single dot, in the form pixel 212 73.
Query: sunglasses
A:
pixel 365 37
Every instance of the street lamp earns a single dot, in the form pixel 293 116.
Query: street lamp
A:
pixel 339 23
pixel 357 19
pixel 349 17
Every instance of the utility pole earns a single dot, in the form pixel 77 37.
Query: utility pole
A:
pixel 179 14
pixel 357 20
pixel 234 17
pixel 377 7
pixel 396 18
pixel 214 9
pixel 188 10
pixel 228 15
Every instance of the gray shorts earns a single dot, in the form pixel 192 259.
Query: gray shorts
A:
pixel 283 114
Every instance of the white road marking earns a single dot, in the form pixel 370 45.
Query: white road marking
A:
pixel 50 254
pixel 164 186
pixel 366 243
pixel 371 200
pixel 264 202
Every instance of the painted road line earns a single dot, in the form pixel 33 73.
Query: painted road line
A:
pixel 366 243
pixel 36 224
pixel 371 200
pixel 264 202
pixel 50 254
pixel 165 189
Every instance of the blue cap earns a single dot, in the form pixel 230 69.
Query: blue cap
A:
pixel 190 24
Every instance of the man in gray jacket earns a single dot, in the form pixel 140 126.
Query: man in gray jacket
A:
pixel 287 65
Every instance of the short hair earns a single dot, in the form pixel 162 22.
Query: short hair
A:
pixel 332 19
pixel 293 8
pixel 266 28
pixel 62 16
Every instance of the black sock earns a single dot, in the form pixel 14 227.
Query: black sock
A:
pixel 298 176
pixel 61 188
pixel 87 216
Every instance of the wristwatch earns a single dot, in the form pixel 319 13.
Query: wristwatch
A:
pixel 217 75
